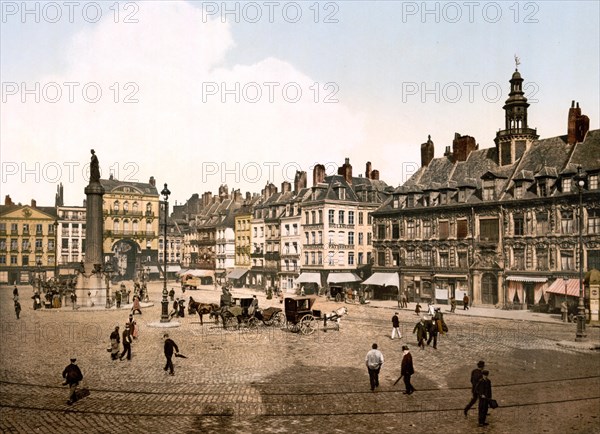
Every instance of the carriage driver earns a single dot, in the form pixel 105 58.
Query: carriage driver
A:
pixel 225 297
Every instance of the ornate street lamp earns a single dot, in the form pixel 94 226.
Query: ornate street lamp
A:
pixel 164 317
pixel 580 335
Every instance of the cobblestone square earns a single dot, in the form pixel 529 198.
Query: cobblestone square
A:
pixel 272 380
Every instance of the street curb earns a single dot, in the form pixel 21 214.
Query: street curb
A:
pixel 594 346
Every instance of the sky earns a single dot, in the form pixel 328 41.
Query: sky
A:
pixel 199 94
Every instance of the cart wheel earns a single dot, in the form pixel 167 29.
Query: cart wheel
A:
pixel 230 322
pixel 253 323
pixel 278 319
pixel 308 325
pixel 294 328
pixel 338 297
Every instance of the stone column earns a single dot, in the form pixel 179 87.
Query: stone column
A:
pixel 91 286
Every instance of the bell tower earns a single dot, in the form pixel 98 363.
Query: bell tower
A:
pixel 516 137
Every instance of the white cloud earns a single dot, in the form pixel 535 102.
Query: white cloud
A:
pixel 170 132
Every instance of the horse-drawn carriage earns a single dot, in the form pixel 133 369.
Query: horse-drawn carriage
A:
pixel 301 317
pixel 239 313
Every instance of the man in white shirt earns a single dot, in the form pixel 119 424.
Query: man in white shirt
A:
pixel 374 362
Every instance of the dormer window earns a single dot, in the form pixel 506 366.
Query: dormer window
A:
pixel 542 188
pixel 519 190
pixel 426 200
pixel 488 190
pixel 567 185
pixel 443 197
pixel 410 201
pixel 461 195
pixel 396 202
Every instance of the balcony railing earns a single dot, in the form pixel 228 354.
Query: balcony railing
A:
pixel 340 246
pixel 129 233
pixel 341 226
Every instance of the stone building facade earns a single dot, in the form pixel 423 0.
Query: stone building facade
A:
pixel 500 224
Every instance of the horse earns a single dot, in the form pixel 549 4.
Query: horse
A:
pixel 335 315
pixel 201 308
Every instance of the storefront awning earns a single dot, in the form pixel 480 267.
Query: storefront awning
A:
pixel 237 273
pixel 451 276
pixel 383 279
pixel 173 268
pixel 558 287
pixel 531 279
pixel 153 269
pixel 342 277
pixel 309 278
pixel 198 273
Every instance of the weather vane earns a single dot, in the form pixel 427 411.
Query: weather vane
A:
pixel 517 62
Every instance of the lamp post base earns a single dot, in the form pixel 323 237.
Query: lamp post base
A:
pixel 581 335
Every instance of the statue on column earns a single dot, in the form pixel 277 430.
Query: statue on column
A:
pixel 94 168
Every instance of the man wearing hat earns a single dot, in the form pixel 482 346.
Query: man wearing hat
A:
pixel 407 370
pixel 72 375
pixel 115 340
pixel 475 377
pixel 396 326
pixel 126 343
pixel 484 392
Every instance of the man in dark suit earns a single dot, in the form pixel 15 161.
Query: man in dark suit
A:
pixel 406 370
pixel 475 377
pixel 72 375
pixel 432 328
pixel 484 392
pixel 169 346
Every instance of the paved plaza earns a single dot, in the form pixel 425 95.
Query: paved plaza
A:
pixel 272 380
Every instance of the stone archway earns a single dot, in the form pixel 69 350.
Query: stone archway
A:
pixel 124 260
pixel 489 289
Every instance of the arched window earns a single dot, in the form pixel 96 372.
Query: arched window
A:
pixel 134 206
pixel 116 225
pixel 125 226
pixel 135 225
pixel 116 206
pixel 125 206
pixel 148 207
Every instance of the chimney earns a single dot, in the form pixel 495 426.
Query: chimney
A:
pixel 8 200
pixel 462 146
pixel 237 196
pixel 223 192
pixel 299 181
pixel 578 125
pixel 248 196
pixel 427 152
pixel 152 181
pixel 447 152
pixel 269 190
pixel 33 203
pixel 375 175
pixel 346 171
pixel 318 174
pixel 206 198
pixel 286 187
pixel 368 170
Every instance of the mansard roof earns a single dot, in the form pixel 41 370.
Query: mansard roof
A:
pixel 114 185
pixel 546 158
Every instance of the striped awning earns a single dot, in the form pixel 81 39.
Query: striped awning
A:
pixel 532 279
pixel 198 273
pixel 558 287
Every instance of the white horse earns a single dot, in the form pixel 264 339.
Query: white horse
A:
pixel 335 315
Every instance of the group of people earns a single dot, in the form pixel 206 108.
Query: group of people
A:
pixel 130 333
pixel 481 386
